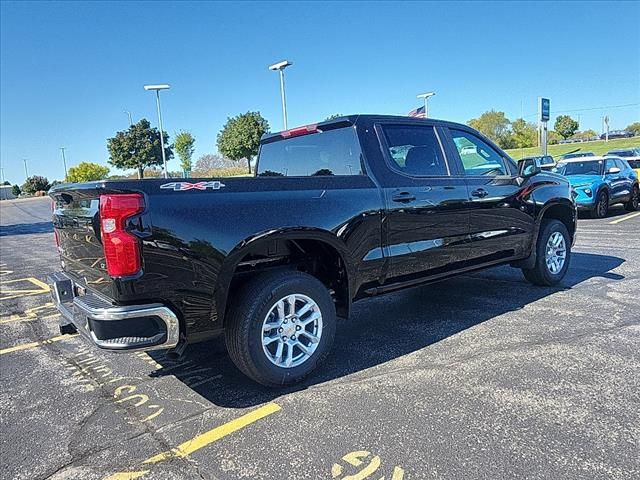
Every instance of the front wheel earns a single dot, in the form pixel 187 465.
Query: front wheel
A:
pixel 632 204
pixel 601 207
pixel 280 327
pixel 553 253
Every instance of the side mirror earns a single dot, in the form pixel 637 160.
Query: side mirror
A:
pixel 613 171
pixel 529 167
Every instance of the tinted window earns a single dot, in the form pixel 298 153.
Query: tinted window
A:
pixel 478 158
pixel 334 152
pixel 634 163
pixel 415 150
pixel 610 163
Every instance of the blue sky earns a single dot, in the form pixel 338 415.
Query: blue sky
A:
pixel 68 70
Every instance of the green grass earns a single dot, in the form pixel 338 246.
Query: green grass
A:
pixel 599 147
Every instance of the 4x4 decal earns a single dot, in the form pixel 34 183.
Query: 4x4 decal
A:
pixel 183 186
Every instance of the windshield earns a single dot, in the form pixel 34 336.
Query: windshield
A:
pixel 622 153
pixel 577 155
pixel 589 167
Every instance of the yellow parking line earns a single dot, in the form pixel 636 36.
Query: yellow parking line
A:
pixel 217 433
pixel 626 217
pixel 27 346
pixel 10 294
pixel 201 440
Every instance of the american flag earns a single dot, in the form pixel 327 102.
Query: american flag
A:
pixel 418 112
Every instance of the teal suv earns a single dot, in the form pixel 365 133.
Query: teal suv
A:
pixel 600 182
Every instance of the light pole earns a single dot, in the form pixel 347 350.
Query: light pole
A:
pixel 26 172
pixel 129 114
pixel 280 66
pixel 426 97
pixel 64 162
pixel 157 89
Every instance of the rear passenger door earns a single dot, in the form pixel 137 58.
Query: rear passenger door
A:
pixel 426 224
pixel 501 223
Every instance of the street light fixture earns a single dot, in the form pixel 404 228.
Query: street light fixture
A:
pixel 426 97
pixel 280 66
pixel 129 115
pixel 157 89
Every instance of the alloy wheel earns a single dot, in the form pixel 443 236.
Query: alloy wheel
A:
pixel 555 252
pixel 291 331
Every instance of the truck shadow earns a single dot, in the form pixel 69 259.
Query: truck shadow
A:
pixel 25 229
pixel 386 328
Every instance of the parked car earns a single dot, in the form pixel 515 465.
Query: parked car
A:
pixel 617 134
pixel 545 162
pixel 600 182
pixel 631 155
pixel 347 209
pixel 569 155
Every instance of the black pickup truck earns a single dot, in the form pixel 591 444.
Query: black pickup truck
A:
pixel 338 211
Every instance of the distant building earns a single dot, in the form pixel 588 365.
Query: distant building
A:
pixel 6 193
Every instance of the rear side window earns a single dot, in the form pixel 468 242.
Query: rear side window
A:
pixel 334 152
pixel 415 150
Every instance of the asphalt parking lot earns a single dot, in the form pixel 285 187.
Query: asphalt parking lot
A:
pixel 483 376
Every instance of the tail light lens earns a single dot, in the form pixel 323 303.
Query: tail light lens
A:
pixel 121 248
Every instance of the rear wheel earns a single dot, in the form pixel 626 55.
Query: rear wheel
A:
pixel 632 204
pixel 280 327
pixel 601 207
pixel 553 253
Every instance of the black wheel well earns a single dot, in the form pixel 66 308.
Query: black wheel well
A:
pixel 315 257
pixel 563 213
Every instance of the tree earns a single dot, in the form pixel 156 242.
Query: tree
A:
pixel 565 126
pixel 524 134
pixel 585 134
pixel 87 172
pixel 494 125
pixel 331 117
pixel 634 128
pixel 6 182
pixel 209 162
pixel 240 137
pixel 16 191
pixel 138 147
pixel 553 137
pixel 35 184
pixel 184 148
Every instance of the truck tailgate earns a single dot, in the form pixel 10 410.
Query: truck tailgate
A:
pixel 76 222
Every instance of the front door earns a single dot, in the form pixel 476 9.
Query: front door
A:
pixel 426 225
pixel 501 218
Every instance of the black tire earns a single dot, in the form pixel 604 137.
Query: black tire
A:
pixel 632 204
pixel 540 274
pixel 250 307
pixel 601 207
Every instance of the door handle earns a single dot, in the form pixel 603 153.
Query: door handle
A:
pixel 480 193
pixel 403 197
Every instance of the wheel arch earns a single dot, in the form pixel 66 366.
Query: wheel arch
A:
pixel 260 249
pixel 561 209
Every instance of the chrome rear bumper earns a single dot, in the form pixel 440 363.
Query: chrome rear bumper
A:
pixel 92 316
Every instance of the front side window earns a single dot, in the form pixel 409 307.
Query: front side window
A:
pixel 478 158
pixel 609 164
pixel 415 150
pixel 334 152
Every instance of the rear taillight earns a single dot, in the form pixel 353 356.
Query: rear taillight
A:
pixel 121 248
